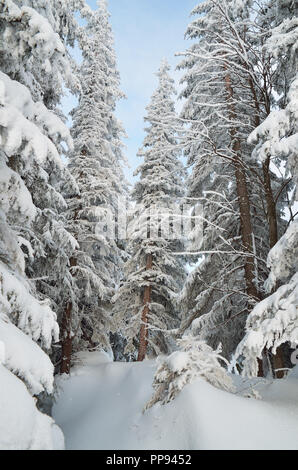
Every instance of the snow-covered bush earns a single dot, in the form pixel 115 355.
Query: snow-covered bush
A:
pixel 195 359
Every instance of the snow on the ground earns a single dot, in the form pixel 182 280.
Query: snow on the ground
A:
pixel 100 407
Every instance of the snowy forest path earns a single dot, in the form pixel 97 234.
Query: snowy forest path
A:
pixel 100 406
pixel 100 403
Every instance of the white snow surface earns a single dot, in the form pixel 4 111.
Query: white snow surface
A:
pixel 22 426
pixel 25 358
pixel 100 406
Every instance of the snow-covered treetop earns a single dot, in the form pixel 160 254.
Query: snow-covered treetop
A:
pixel 161 172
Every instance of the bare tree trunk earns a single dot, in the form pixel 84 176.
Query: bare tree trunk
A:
pixel 270 201
pixel 144 326
pixel 66 340
pixel 278 363
pixel 66 333
pixel 245 222
pixel 271 205
pixel 278 359
pixel 244 204
pixel 243 198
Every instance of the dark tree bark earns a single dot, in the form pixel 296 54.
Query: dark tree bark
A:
pixel 66 333
pixel 244 203
pixel 278 359
pixel 144 326
pixel 270 201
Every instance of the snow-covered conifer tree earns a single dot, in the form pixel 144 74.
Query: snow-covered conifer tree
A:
pixel 273 322
pixel 96 164
pixel 145 306
pixel 33 62
pixel 227 96
pixel 37 33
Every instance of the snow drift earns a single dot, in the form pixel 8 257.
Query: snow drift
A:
pixel 100 406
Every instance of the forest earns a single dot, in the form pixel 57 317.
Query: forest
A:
pixel 158 311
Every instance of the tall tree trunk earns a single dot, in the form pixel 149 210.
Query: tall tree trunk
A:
pixel 66 333
pixel 270 204
pixel 244 203
pixel 144 326
pixel 270 201
pixel 277 359
pixel 243 196
pixel 245 222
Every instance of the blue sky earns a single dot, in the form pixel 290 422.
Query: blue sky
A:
pixel 145 31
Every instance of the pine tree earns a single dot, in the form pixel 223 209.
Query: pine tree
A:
pixel 34 64
pixel 96 164
pixel 145 306
pixel 50 68
pixel 228 91
pixel 273 322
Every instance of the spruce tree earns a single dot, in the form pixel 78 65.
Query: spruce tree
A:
pixel 228 91
pixel 145 305
pixel 273 323
pixel 96 164
pixel 34 65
